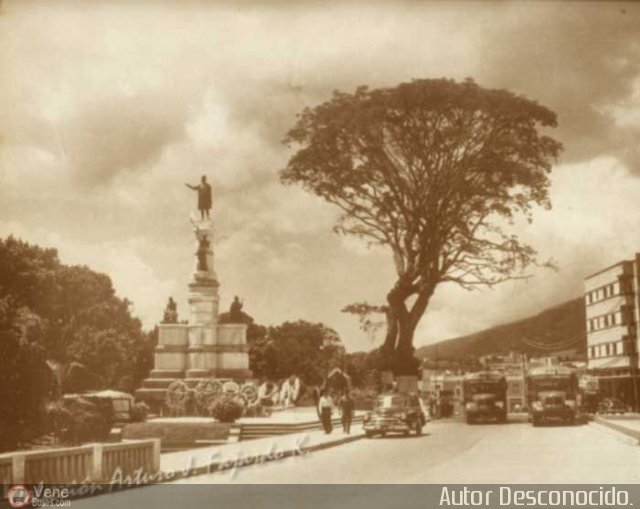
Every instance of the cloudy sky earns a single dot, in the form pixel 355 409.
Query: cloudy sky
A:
pixel 105 112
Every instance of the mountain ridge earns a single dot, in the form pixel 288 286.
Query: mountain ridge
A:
pixel 561 328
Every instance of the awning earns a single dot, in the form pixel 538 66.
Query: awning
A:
pixel 609 363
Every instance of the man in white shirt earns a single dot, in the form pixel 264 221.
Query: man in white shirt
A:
pixel 325 405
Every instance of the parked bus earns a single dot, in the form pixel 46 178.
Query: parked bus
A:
pixel 485 396
pixel 552 394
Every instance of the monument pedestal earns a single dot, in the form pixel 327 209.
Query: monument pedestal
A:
pixel 201 348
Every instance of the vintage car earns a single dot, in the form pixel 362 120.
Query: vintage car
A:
pixel 395 413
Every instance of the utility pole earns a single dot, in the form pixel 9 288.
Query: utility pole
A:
pixel 633 361
pixel 525 402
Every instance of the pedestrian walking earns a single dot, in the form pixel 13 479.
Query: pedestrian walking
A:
pixel 346 406
pixel 325 405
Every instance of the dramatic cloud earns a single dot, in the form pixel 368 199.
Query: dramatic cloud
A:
pixel 107 112
pixel 582 60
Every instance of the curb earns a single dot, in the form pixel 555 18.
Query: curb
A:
pixel 631 435
pixel 256 459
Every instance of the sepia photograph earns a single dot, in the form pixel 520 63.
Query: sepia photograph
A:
pixel 365 254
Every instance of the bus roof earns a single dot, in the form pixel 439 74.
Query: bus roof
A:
pixel 483 375
pixel 551 371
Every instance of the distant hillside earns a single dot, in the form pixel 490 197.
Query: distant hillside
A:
pixel 561 328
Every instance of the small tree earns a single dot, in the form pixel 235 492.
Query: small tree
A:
pixel 433 169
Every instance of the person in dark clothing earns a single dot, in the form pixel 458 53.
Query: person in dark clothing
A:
pixel 204 196
pixel 325 406
pixel 347 406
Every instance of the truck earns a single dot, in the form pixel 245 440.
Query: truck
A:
pixel 552 393
pixel 485 396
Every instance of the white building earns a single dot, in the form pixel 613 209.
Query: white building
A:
pixel 612 313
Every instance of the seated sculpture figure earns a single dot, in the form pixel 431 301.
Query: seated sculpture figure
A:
pixel 235 311
pixel 171 312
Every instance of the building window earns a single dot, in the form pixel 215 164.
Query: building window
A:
pixel 592 352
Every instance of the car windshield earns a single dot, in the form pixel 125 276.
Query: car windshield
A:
pixel 390 401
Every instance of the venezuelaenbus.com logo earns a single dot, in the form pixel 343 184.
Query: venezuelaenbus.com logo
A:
pixel 18 496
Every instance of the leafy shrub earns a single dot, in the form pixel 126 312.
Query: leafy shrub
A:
pixel 60 422
pixel 139 412
pixel 227 409
pixel 78 420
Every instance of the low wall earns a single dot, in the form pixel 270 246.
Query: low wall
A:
pixel 129 457
pixel 86 463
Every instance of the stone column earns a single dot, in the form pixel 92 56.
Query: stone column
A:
pixel 203 304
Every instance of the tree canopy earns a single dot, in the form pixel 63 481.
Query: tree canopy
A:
pixel 435 170
pixel 300 348
pixel 72 313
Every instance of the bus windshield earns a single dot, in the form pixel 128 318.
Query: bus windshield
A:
pixel 552 383
pixel 482 386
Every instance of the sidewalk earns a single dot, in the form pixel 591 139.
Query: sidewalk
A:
pixel 239 454
pixel 627 424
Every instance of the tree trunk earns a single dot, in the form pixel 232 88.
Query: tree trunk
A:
pixel 391 337
pixel 401 326
pixel 405 363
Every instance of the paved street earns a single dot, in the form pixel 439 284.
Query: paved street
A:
pixel 451 452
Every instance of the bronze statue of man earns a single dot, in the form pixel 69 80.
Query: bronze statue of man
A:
pixel 204 197
pixel 203 250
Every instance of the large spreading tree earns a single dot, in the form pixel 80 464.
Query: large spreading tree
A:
pixel 435 170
